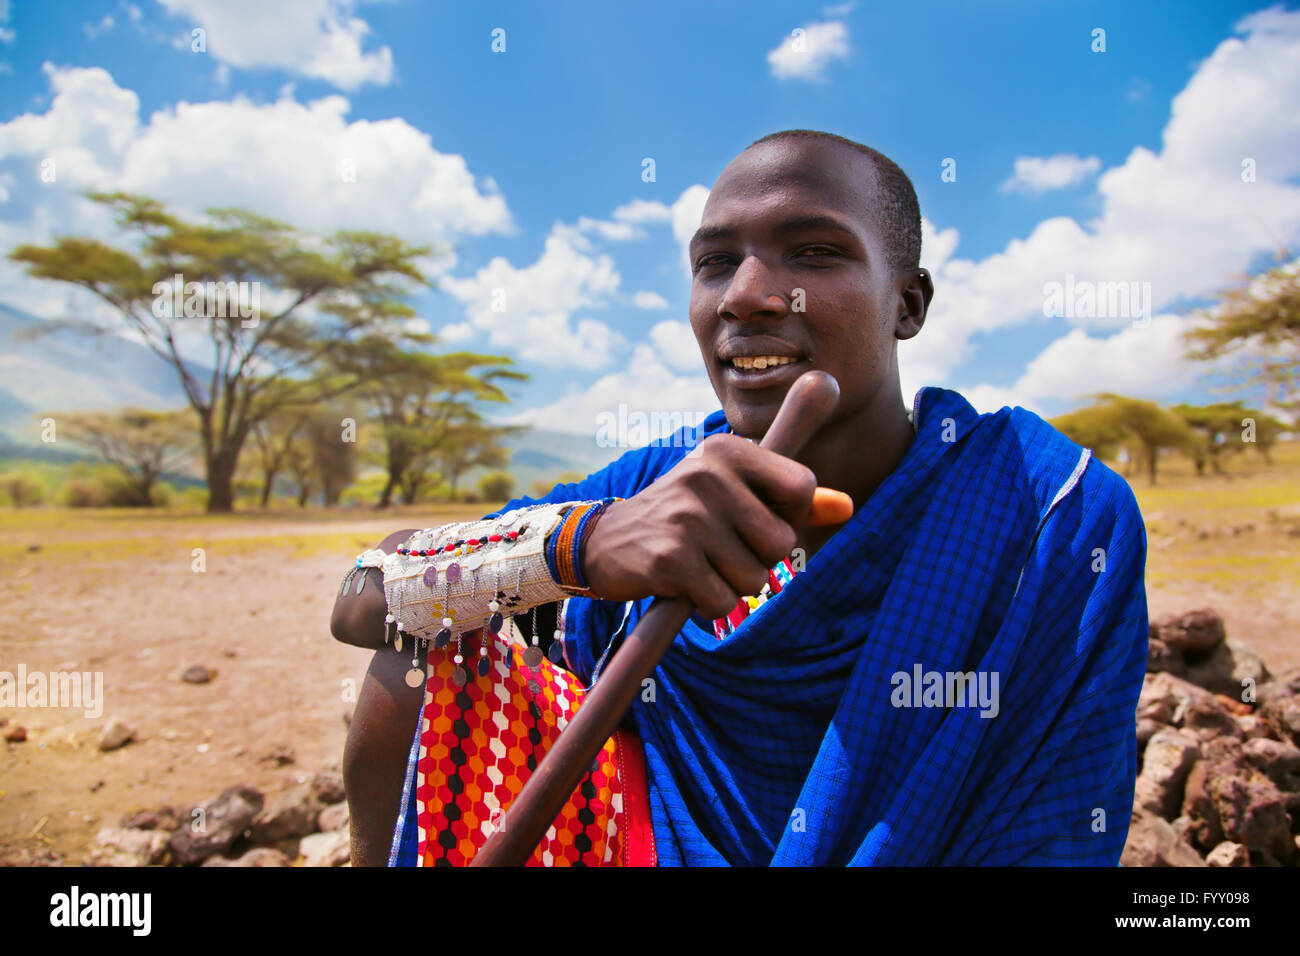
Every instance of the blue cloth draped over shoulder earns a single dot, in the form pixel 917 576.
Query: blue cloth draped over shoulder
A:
pixel 834 727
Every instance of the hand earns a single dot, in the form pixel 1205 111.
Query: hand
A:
pixel 710 529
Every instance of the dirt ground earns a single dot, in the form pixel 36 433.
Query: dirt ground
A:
pixel 118 593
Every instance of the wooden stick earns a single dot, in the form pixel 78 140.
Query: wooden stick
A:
pixel 806 408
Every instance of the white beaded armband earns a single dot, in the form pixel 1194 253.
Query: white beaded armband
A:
pixel 460 577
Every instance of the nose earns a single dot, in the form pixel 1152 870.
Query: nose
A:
pixel 751 294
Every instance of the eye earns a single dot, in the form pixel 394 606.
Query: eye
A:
pixel 703 261
pixel 818 251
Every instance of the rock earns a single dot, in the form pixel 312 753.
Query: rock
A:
pixel 258 856
pixel 1227 669
pixel 1285 685
pixel 1220 758
pixel 1278 761
pixel 116 734
pixel 1153 842
pixel 198 674
pixel 1193 634
pixel 326 849
pixel 1253 727
pixel 1162 657
pixel 1233 706
pixel 287 813
pixel 280 755
pixel 27 856
pixel 224 820
pixel 1164 697
pixel 1169 757
pixel 335 817
pixel 1282 715
pixel 164 818
pixel 119 846
pixel 16 734
pixel 1207 718
pixel 1228 853
pixel 1146 729
pixel 328 787
pixel 1251 810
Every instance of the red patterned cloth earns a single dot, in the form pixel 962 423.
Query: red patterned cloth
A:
pixel 479 744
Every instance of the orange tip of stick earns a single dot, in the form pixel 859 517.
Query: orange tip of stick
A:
pixel 830 507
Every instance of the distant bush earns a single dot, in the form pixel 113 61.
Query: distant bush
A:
pixel 193 497
pixel 496 486
pixel 88 485
pixel 20 489
pixel 364 491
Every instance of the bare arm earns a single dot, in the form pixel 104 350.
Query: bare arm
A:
pixel 358 619
pixel 374 760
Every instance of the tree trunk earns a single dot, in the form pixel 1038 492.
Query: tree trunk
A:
pixel 268 480
pixel 221 479
pixel 386 498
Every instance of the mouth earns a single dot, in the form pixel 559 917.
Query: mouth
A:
pixel 762 371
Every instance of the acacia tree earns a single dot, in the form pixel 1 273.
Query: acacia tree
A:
pixel 323 292
pixel 420 400
pixel 472 443
pixel 1258 321
pixel 273 437
pixel 1134 423
pixel 141 442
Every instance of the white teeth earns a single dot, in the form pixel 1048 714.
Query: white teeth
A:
pixel 761 361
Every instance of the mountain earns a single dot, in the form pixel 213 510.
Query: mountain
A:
pixel 71 371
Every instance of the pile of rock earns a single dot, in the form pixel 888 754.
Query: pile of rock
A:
pixel 302 824
pixel 1219 753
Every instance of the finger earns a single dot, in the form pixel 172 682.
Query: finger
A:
pixel 786 485
pixel 732 559
pixel 708 590
pixel 767 535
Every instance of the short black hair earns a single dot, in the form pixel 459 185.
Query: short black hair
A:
pixel 898 212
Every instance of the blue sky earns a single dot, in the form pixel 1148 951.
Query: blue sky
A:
pixel 1122 165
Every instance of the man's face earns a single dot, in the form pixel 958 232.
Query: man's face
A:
pixel 768 237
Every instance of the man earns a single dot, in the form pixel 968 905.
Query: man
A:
pixel 951 678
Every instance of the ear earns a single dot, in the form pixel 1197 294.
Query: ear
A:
pixel 915 292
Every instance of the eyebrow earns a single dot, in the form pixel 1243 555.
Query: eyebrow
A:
pixel 798 224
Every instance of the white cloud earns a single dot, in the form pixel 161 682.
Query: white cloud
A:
pixel 643 210
pixel 1035 174
pixel 1181 219
pixel 806 56
pixel 6 35
pixel 687 214
pixel 613 231
pixel 1144 361
pixel 677 346
pixel 646 385
pixel 649 300
pixel 92 30
pixel 93 133
pixel 456 332
pixel 320 39
pixel 538 303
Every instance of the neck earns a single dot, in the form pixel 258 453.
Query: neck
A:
pixel 857 453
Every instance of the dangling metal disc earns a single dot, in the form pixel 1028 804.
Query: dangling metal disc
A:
pixel 414 677
pixel 533 657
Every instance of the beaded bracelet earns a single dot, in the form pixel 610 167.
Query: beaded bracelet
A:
pixel 564 546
